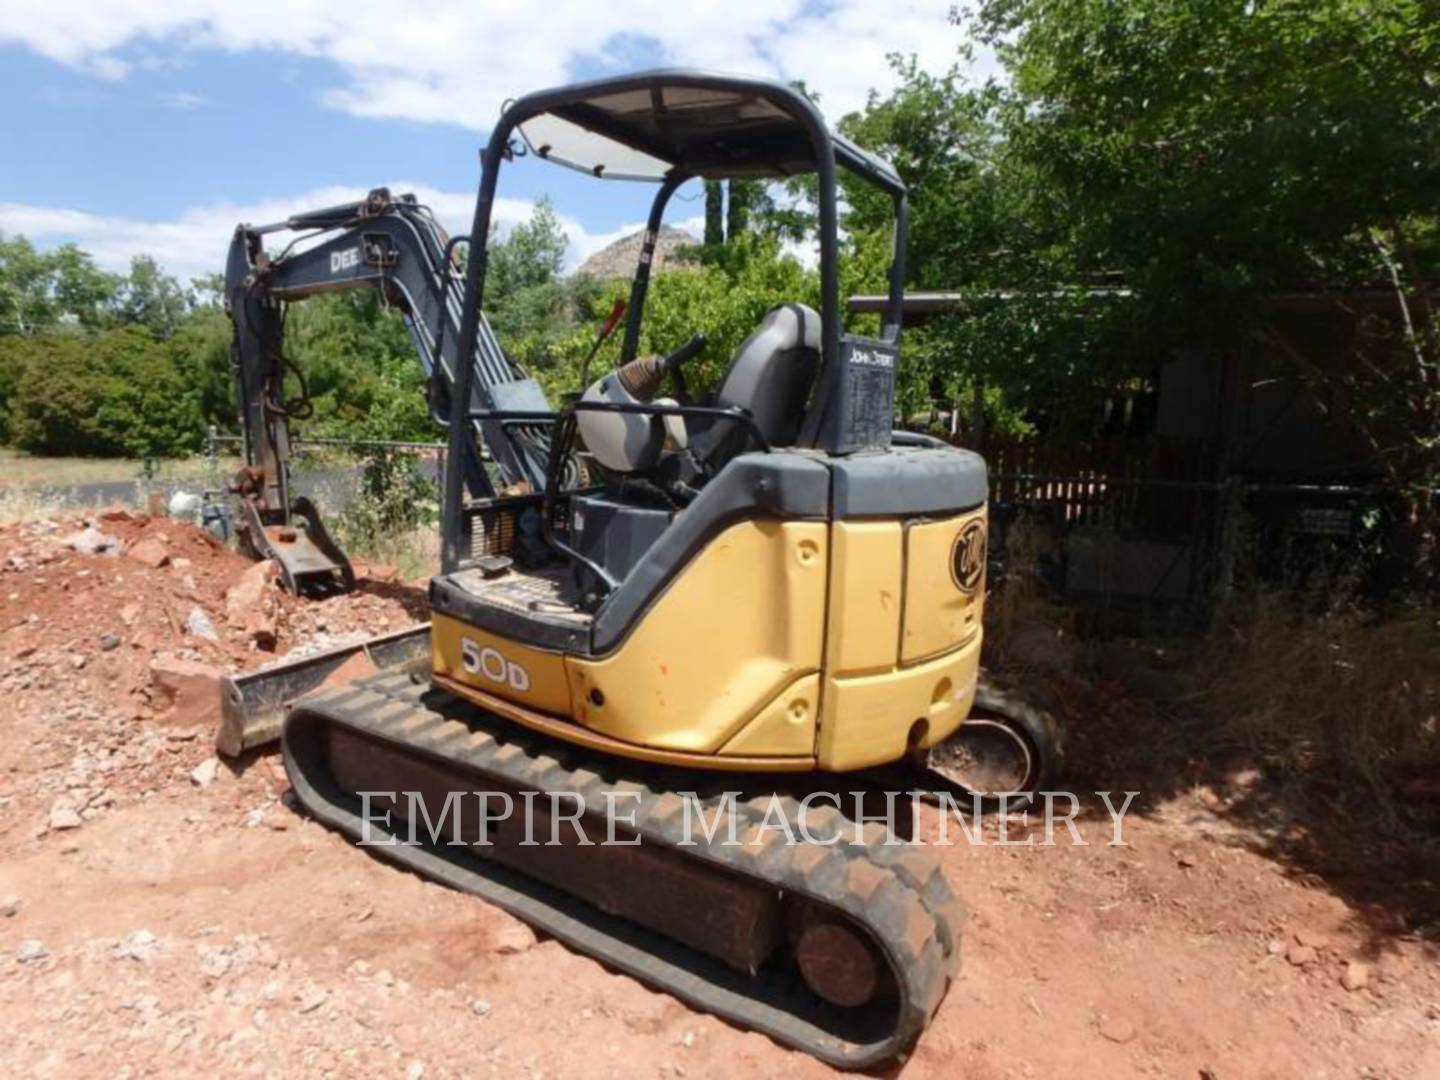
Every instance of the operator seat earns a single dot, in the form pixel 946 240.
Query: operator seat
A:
pixel 770 377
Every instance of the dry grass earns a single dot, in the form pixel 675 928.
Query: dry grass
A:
pixel 1015 608
pixel 416 554
pixel 1339 689
pixel 1313 681
pixel 23 470
pixel 21 504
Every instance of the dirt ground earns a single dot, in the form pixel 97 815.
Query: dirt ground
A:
pixel 162 914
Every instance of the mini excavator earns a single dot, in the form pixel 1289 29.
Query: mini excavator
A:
pixel 737 613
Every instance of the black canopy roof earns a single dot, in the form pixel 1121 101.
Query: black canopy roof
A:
pixel 658 123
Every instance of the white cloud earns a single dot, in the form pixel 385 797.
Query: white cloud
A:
pixel 195 243
pixel 457 61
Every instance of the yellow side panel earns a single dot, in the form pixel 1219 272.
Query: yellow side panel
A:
pixel 941 608
pixel 864 627
pixel 530 677
pixel 867 719
pixel 740 623
pixel 785 727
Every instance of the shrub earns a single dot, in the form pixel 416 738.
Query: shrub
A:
pixel 113 394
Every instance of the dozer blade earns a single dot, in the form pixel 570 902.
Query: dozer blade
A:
pixel 253 705
pixel 840 949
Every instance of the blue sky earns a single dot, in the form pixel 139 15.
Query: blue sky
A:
pixel 134 126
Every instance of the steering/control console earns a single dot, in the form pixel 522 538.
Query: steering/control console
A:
pixel 631 442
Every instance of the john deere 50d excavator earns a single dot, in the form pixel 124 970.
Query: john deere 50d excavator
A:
pixel 704 640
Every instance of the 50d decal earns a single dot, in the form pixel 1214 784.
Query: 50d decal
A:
pixel 490 662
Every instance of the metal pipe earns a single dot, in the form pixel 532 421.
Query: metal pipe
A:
pixel 641 282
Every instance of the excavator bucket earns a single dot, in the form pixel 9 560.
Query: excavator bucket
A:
pixel 310 562
pixel 253 705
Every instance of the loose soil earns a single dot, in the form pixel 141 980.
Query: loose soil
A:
pixel 156 921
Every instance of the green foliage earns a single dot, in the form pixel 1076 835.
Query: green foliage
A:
pixel 395 499
pixel 200 352
pixel 1212 151
pixel 530 256
pixel 117 393
pixel 359 368
pixel 41 290
pixel 152 299
pixel 714 214
pixel 726 303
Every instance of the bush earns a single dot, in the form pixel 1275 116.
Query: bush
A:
pixel 114 394
pixel 1332 687
pixel 394 501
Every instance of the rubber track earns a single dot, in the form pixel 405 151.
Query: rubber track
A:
pixel 895 891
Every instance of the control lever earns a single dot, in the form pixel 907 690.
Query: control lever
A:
pixel 687 352
pixel 606 329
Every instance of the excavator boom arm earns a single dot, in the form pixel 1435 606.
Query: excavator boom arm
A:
pixel 395 246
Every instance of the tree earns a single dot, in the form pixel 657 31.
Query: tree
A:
pixel 42 290
pixel 743 194
pixel 359 368
pixel 118 393
pixel 81 289
pixel 151 298
pixel 1210 153
pixel 532 254
pixel 714 214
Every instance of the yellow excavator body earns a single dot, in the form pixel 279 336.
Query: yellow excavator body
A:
pixel 780 646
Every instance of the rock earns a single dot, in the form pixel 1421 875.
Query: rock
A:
pixel 515 938
pixel 190 688
pixel 198 624
pixel 1300 955
pixel 1117 1029
pixel 129 613
pixel 138 946
pixel 416 1071
pixel 109 642
pixel 263 628
pixel 10 907
pixel 1356 976
pixel 480 1007
pixel 64 817
pixel 1314 938
pixel 91 541
pixel 250 592
pixel 78 660
pixel 31 950
pixel 203 775
pixel 313 1000
pixel 214 963
pixel 250 605
pixel 149 552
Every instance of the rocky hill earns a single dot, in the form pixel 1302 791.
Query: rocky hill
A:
pixel 621 257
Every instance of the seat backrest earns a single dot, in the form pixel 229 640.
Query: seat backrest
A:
pixel 773 371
